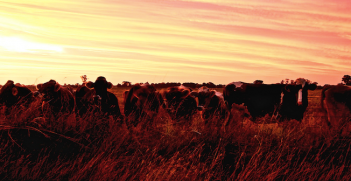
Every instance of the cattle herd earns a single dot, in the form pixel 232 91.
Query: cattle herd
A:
pixel 281 101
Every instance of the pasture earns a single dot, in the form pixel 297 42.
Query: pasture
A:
pixel 162 149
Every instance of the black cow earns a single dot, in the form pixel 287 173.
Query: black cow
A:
pixel 213 104
pixel 56 100
pixel 179 102
pixel 295 99
pixel 99 100
pixel 141 102
pixel 336 102
pixel 289 101
pixel 15 95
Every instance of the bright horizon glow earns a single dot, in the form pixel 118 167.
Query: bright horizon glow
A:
pixel 16 44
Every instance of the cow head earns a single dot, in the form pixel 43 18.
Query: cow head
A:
pixel 8 91
pixel 100 86
pixel 180 102
pixel 141 101
pixel 176 93
pixel 205 96
pixel 141 95
pixel 49 90
pixel 233 93
pixel 211 103
pixel 11 93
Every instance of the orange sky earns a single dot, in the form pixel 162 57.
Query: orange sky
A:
pixel 174 41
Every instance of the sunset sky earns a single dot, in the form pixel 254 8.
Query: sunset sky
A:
pixel 217 41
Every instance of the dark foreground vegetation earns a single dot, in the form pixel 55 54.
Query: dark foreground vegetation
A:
pixel 95 148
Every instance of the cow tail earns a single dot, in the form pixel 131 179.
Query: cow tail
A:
pixel 323 97
pixel 225 97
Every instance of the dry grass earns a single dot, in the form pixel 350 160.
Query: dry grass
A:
pixel 94 148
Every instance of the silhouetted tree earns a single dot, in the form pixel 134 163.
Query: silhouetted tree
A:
pixel 84 78
pixel 190 84
pixel 126 84
pixel 346 79
pixel 220 86
pixel 287 81
pixel 258 82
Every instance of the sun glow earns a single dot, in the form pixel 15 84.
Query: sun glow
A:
pixel 20 45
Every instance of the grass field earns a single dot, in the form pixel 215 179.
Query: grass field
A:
pixel 162 149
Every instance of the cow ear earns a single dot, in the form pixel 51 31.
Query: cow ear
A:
pixel 185 93
pixel 90 84
pixel 109 85
pixel 14 91
pixel 312 86
pixel 212 93
pixel 125 93
pixel 39 86
pixel 57 87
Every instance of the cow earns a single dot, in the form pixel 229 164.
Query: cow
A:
pixel 57 100
pixel 16 95
pixel 336 103
pixel 180 102
pixel 141 102
pixel 284 101
pixel 212 104
pixel 99 100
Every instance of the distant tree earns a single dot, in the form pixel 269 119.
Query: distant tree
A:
pixel 346 79
pixel 84 78
pixel 258 82
pixel 211 85
pixel 287 81
pixel 126 84
pixel 220 86
pixel 189 84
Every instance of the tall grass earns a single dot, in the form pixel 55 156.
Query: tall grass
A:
pixel 100 148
